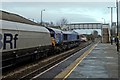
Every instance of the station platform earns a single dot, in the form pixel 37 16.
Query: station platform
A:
pixel 100 61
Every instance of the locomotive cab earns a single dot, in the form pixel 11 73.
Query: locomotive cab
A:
pixel 56 34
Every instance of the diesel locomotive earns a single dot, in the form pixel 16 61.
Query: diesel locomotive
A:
pixel 20 42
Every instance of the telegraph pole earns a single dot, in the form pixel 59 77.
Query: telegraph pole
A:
pixel 111 8
pixel 117 27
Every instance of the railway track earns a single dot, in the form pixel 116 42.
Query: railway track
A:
pixel 29 71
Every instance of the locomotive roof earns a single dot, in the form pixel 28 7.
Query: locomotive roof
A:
pixel 66 32
pixel 69 32
pixel 55 30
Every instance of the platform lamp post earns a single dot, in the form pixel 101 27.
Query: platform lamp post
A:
pixel 117 26
pixel 41 15
pixel 111 8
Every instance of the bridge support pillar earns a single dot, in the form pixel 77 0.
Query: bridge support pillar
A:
pixel 105 33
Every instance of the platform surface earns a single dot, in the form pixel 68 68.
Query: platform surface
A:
pixel 102 62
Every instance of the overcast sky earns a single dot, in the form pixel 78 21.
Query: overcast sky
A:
pixel 72 10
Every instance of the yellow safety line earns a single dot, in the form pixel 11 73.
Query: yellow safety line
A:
pixel 79 60
pixel 82 57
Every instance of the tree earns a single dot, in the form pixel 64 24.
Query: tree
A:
pixel 51 24
pixel 95 33
pixel 62 22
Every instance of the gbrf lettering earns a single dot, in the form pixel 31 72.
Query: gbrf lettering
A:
pixel 9 39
